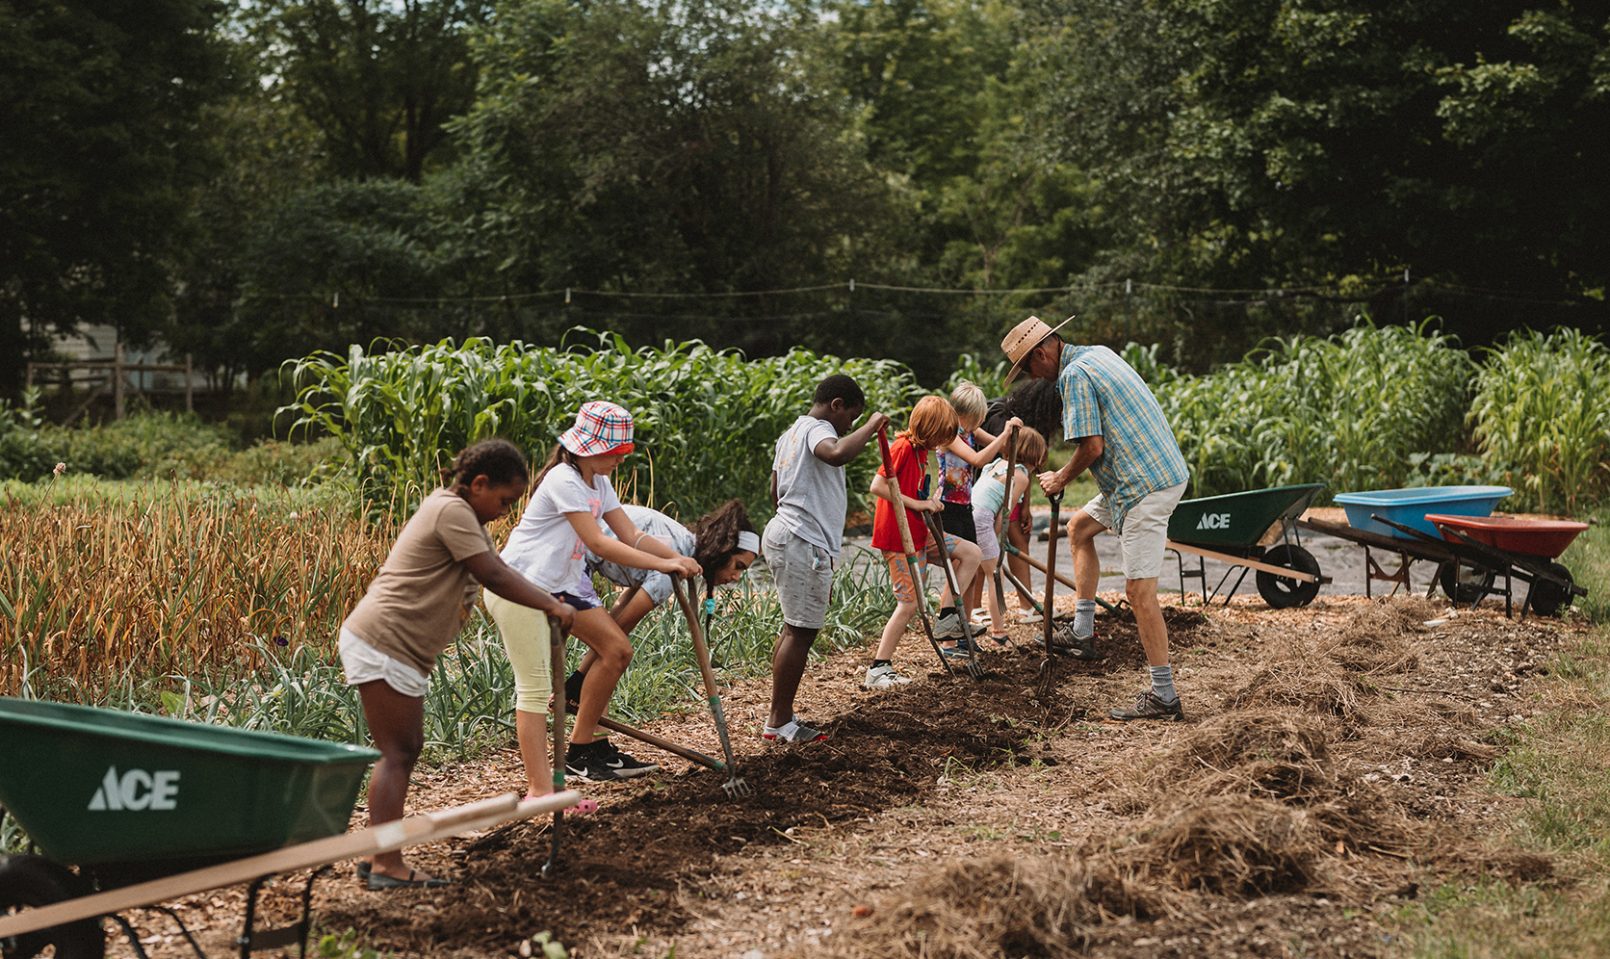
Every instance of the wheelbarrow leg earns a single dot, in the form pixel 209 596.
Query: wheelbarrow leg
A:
pixel 183 929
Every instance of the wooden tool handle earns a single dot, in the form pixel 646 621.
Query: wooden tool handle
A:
pixel 899 503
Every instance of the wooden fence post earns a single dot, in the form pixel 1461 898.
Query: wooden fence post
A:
pixel 117 382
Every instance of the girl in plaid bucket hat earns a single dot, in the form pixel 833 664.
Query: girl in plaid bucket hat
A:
pixel 563 526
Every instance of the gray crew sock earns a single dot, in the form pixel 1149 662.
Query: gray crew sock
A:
pixel 1084 618
pixel 1163 684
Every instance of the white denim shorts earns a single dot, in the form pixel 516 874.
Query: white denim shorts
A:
pixel 1145 534
pixel 364 664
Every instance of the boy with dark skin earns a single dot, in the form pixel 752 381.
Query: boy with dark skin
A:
pixel 804 537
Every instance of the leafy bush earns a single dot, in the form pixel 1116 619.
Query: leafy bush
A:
pixel 1349 410
pixel 1541 415
pixel 706 419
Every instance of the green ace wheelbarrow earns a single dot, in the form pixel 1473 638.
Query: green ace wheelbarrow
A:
pixel 1250 531
pixel 129 811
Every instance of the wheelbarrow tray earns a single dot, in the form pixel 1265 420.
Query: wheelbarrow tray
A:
pixel 1409 507
pixel 1546 538
pixel 1237 521
pixel 129 796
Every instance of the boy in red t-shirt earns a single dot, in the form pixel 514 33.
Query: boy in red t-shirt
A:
pixel 932 426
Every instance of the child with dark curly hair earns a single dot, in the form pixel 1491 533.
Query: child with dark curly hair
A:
pixel 722 542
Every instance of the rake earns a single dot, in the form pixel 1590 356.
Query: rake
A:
pixel 906 544
pixel 936 529
pixel 735 787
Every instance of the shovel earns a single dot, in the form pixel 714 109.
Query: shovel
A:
pixel 910 550
pixel 936 529
pixel 1047 677
pixel 735 786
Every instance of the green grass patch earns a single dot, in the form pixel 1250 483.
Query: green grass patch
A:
pixel 1560 764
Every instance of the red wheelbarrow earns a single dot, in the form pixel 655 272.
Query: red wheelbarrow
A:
pixel 1486 547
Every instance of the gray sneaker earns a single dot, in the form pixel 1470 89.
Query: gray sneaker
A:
pixel 949 626
pixel 883 677
pixel 1148 706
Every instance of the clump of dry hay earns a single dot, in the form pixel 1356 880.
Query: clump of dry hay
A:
pixel 1295 677
pixel 1229 846
pixel 1327 675
pixel 1002 905
pixel 1276 754
pixel 1373 643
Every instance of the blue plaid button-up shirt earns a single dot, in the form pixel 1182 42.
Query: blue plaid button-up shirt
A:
pixel 1104 396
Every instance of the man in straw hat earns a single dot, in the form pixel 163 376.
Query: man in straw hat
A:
pixel 1127 445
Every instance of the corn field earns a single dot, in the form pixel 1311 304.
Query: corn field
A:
pixel 706 419
pixel 1350 410
pixel 1542 414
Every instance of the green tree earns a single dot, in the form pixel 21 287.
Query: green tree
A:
pixel 678 146
pixel 99 104
pixel 1254 143
pixel 378 79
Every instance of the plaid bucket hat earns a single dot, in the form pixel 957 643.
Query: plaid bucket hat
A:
pixel 602 429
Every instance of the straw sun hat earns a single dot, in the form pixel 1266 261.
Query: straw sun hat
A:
pixel 1023 338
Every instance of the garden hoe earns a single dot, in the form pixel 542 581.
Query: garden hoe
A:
pixel 1048 617
pixel 556 649
pixel 936 529
pixel 910 550
pixel 735 786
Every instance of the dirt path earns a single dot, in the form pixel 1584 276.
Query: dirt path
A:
pixel 1332 767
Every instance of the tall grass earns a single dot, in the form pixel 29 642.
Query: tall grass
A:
pixel 1541 414
pixel 706 419
pixel 172 578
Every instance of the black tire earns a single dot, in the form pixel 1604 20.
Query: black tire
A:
pixel 1463 585
pixel 1283 592
pixel 37 881
pixel 1549 599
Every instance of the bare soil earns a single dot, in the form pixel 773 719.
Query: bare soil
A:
pixel 1332 767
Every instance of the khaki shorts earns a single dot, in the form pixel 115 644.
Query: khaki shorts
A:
pixel 363 663
pixel 525 639
pixel 1145 534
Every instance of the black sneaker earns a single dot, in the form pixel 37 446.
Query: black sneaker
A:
pixel 573 692
pixel 1079 647
pixel 1148 706
pixel 604 763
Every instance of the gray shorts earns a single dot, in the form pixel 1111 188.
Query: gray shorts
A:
pixel 803 574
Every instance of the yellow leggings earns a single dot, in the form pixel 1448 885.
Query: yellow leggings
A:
pixel 525 638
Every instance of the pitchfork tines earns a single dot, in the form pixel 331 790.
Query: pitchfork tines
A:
pixel 737 788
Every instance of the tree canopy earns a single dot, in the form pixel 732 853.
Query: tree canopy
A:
pixel 888 177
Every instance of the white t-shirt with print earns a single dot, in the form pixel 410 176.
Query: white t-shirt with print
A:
pixel 544 548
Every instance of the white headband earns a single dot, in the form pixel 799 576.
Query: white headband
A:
pixel 748 541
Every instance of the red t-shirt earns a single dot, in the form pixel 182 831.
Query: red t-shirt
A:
pixel 910 467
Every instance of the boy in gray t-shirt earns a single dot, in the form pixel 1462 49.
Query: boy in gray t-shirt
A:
pixel 805 536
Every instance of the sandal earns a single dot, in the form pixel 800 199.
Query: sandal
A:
pixel 1001 639
pixel 379 880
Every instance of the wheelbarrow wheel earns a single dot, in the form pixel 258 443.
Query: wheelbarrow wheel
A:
pixel 1549 598
pixel 1283 592
pixel 37 881
pixel 1464 585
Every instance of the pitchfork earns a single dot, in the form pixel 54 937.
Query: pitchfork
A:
pixel 734 787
